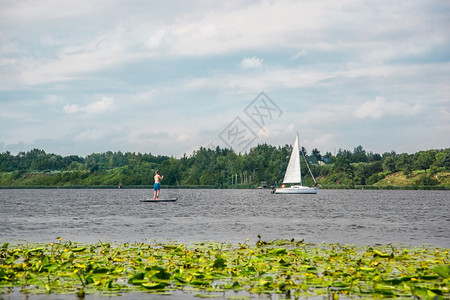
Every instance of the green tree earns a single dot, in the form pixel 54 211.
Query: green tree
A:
pixel 371 157
pixel 315 152
pixel 424 159
pixel 359 155
pixel 404 164
pixel 342 170
pixel 389 161
pixel 442 159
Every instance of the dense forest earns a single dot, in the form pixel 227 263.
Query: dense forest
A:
pixel 223 168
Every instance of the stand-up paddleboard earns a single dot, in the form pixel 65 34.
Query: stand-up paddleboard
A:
pixel 159 200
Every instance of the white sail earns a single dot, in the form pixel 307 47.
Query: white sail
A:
pixel 293 174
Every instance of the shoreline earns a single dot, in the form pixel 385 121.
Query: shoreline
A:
pixel 326 187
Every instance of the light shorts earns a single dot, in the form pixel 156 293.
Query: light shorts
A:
pixel 157 186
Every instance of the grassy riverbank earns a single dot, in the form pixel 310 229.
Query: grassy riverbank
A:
pixel 263 165
pixel 389 181
pixel 292 268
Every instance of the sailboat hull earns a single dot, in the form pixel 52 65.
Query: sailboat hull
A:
pixel 297 189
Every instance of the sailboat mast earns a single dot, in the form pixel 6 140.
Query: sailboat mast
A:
pixel 299 160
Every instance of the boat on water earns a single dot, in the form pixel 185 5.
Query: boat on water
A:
pixel 293 174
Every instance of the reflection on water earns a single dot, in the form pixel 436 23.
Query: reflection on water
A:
pixel 344 216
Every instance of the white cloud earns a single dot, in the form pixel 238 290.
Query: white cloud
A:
pixel 215 30
pixel 444 114
pixel 372 109
pixel 89 135
pixel 104 105
pixel 300 54
pixel 71 108
pixel 183 137
pixel 101 106
pixel 52 99
pixel 30 12
pixel 251 63
pixel 323 141
pixel 380 108
pixel 156 41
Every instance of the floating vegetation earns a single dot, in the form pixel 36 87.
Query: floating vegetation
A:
pixel 209 270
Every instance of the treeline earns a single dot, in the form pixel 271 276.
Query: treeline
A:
pixel 220 168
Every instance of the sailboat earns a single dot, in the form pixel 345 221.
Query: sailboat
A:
pixel 293 174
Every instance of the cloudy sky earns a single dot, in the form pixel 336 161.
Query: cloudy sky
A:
pixel 167 77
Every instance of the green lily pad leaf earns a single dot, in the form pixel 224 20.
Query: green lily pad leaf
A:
pixel 367 269
pixel 278 251
pixel 251 269
pixel 264 283
pixel 207 296
pixel 423 292
pixel 180 279
pixel 385 293
pixel 37 249
pixel 163 275
pixel 199 282
pixel 199 275
pixel 45 261
pixel 282 285
pixel 219 263
pixel 100 271
pixel 51 267
pixel 89 280
pixel 137 279
pixel 443 270
pixel 109 284
pixel 154 286
pixel 170 247
pixel 284 263
pixel 395 281
pixel 281 242
pixel 339 284
pixel 384 287
pixel 429 277
pixel 381 254
pixel 78 249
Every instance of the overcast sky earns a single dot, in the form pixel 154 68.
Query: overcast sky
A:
pixel 167 77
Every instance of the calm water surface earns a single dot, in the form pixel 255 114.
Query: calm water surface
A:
pixel 343 216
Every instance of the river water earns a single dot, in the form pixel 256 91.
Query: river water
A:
pixel 360 217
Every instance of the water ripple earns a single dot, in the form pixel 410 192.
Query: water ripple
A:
pixel 344 216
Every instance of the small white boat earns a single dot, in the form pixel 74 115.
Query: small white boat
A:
pixel 297 189
pixel 293 175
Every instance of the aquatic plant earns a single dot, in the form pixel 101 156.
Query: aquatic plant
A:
pixel 289 267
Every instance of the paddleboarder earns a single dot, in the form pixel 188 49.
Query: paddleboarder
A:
pixel 157 185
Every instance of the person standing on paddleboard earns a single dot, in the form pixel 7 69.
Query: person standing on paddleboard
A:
pixel 157 185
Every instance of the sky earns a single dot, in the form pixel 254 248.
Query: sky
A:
pixel 168 77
